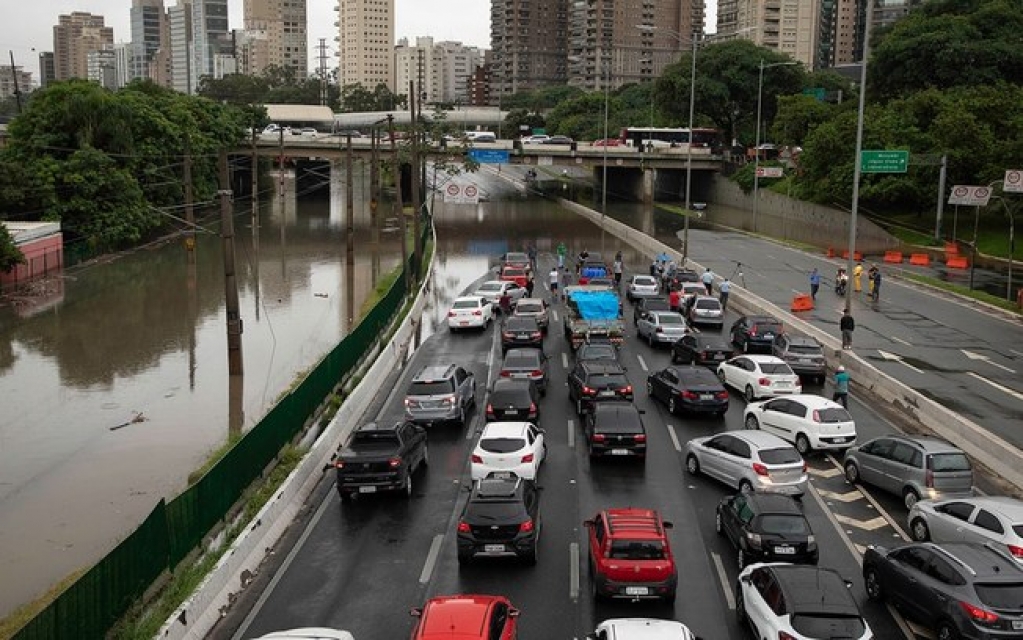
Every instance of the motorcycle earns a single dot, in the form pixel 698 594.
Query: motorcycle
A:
pixel 841 281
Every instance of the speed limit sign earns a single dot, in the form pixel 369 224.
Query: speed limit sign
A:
pixel 453 190
pixel 470 191
pixel 1013 181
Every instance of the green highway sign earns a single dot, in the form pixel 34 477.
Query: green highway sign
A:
pixel 817 92
pixel 884 161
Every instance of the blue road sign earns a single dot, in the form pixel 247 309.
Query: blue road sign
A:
pixel 489 156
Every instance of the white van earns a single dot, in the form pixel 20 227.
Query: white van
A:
pixel 480 136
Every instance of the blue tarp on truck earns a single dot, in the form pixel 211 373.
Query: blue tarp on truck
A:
pixel 595 305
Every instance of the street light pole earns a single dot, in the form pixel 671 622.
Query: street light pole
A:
pixel 603 185
pixel 756 148
pixel 689 155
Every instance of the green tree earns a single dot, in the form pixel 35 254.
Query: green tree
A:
pixel 797 116
pixel 10 255
pixel 520 121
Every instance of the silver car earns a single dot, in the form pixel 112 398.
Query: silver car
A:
pixel 914 467
pixel 997 519
pixel 749 461
pixel 534 308
pixel 440 394
pixel 642 287
pixel 705 310
pixel 661 327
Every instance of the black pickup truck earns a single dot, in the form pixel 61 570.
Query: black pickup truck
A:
pixel 380 458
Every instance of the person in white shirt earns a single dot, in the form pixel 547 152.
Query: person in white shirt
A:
pixel 708 280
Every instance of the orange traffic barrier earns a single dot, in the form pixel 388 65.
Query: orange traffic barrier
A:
pixel 802 302
pixel 894 257
pixel 857 256
pixel 951 248
pixel 831 252
pixel 920 259
pixel 957 262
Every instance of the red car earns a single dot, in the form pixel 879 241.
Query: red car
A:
pixel 518 275
pixel 630 556
pixel 466 617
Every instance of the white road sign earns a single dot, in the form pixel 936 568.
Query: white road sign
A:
pixel 770 172
pixel 456 193
pixel 970 195
pixel 1013 181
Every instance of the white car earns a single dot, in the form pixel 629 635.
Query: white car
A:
pixel 661 327
pixel 308 633
pixel 515 447
pixel 810 422
pixel 759 376
pixel 641 629
pixel 492 290
pixel 806 603
pixel 642 287
pixel 535 139
pixel 994 519
pixel 470 312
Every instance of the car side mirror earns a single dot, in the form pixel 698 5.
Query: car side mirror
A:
pixel 745 580
pixel 415 612
pixel 668 524
pixel 641 412
pixel 513 613
pixel 588 524
pixel 848 584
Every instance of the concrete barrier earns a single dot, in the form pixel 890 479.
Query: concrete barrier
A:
pixel 922 414
pixel 196 617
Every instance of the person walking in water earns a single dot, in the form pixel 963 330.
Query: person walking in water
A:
pixel 708 280
pixel 841 387
pixel 847 325
pixel 725 288
pixel 815 283
pixel 857 277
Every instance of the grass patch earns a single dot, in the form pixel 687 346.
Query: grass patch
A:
pixel 983 296
pixel 26 612
pixel 383 286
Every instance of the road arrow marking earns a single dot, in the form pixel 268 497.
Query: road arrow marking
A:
pixel 1011 392
pixel 897 358
pixel 825 473
pixel 848 496
pixel 869 525
pixel 979 356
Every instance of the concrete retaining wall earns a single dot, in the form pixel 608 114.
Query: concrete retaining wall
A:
pixel 1002 459
pixel 197 616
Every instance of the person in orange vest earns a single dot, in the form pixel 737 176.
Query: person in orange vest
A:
pixel 857 277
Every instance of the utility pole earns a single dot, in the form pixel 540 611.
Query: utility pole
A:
pixel 397 201
pixel 14 76
pixel 941 196
pixel 374 174
pixel 234 320
pixel 189 209
pixel 416 195
pixel 350 202
pixel 255 185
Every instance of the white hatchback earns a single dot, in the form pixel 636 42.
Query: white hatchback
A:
pixel 759 376
pixel 470 312
pixel 642 629
pixel 808 421
pixel 642 287
pixel 509 447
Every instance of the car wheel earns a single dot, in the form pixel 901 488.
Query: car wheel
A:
pixel 426 457
pixel 872 583
pixel 752 423
pixel 910 497
pixel 852 472
pixel 802 445
pixel 674 357
pixel 529 558
pixel 672 407
pixel 692 465
pixel 746 486
pixel 649 389
pixel 918 529
pixel 748 394
pixel 718 528
pixel 721 376
pixel 579 407
pixel 947 631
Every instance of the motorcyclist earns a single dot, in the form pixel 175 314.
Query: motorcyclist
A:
pixel 841 281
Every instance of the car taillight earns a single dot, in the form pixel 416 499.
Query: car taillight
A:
pixel 451 314
pixel 785 636
pixel 526 526
pixel 760 469
pixel 816 416
pixel 536 373
pixel 764 382
pixel 490 410
pixel 410 403
pixel 805 468
pixel 527 458
pixel 463 527
pixel 476 459
pixel 929 479
pixel 394 463
pixel 659 330
pixel 508 334
pixel 477 312
pixel 721 395
pixel 448 399
pixel 532 408
pixel 689 395
pixel 639 437
pixel 535 334
pixel 753 332
pixel 1017 552
pixel 339 464
pixel 977 614
pixel 627 390
pixel 590 391
pixel 505 374
pixel 598 437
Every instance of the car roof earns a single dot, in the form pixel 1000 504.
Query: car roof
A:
pixel 379 426
pixel 511 384
pixel 617 407
pixel 810 589
pixel 308 633
pixel 759 439
pixel 502 487
pixel 431 373
pixel 446 616
pixel 711 298
pixel 763 358
pixel 984 561
pixel 929 444
pixel 633 522
pixel 505 430
pixel 602 366
pixel 527 320
pixel 646 628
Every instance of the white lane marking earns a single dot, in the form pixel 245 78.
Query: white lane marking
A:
pixel 723 579
pixel 564 359
pixel 868 525
pixel 431 558
pixel 571 434
pixel 642 362
pixel 908 629
pixel 1019 353
pixel 979 356
pixel 825 473
pixel 834 523
pixel 1011 392
pixel 848 496
pixel 877 506
pixel 897 358
pixel 573 571
pixel 554 315
pixel 674 438
pixel 900 340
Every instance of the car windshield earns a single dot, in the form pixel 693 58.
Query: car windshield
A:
pixel 698 376
pixel 786 455
pixel 805 349
pixel 520 324
pixel 1002 595
pixel 598 352
pixel 777 368
pixel 832 415
pixel 516 258
pixel 656 304
pixel 608 380
pixel 637 550
pixel 645 281
pixel 825 626
pixel 510 397
pixel 521 360
pixel 431 388
pixel 497 511
pixel 465 304
pixel 502 445
pixel 490 287
pixel 948 462
pixel 514 273
pixel 767 327
pixel 708 304
pixel 529 307
pixel 672 320
pixel 374 438
pixel 783 524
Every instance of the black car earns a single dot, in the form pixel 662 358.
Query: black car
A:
pixel 526 364
pixel 592 382
pixel 597 351
pixel 644 306
pixel 521 331
pixel 803 354
pixel 688 389
pixel 766 527
pixel 755 332
pixel 709 350
pixel 513 400
pixel 381 457
pixel 615 429
pixel 961 590
pixel 501 518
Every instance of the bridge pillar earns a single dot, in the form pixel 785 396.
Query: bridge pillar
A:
pixel 649 183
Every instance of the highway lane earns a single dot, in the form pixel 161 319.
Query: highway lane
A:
pixel 361 566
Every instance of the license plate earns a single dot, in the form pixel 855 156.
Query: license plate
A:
pixel 619 452
pixel 842 439
pixel 769 336
pixel 522 336
pixel 1017 624
pixel 463 322
pixel 706 396
pixel 718 356
pixel 606 394
pixel 636 591
pixel 367 489
pixel 520 375
pixel 493 548
pixel 785 551
pixel 511 414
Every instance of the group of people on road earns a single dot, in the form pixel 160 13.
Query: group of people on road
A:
pixel 842 278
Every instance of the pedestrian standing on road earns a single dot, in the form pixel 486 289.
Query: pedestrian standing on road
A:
pixel 529 285
pixel 841 387
pixel 871 274
pixel 653 268
pixel 857 275
pixel 616 268
pixel 532 256
pixel 815 283
pixel 847 325
pixel 554 278
pixel 708 280
pixel 725 288
pixel 562 252
pixel 877 285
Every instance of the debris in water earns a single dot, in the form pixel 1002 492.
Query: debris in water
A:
pixel 139 417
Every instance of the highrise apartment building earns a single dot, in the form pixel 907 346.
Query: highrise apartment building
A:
pixel 47 72
pixel 617 42
pixel 210 37
pixel 528 44
pixel 440 70
pixel 14 80
pixel 147 29
pixel 179 20
pixel 276 35
pixel 366 43
pixel 74 36
pixel 787 26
